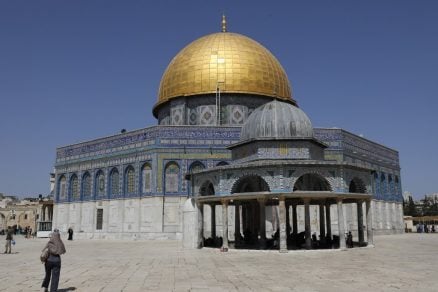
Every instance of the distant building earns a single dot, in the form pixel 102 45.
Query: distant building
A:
pixel 407 195
pixel 24 213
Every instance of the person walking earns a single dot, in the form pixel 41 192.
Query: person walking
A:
pixel 9 238
pixel 56 248
pixel 70 233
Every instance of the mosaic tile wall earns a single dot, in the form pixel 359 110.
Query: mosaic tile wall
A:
pixel 186 145
pixel 201 110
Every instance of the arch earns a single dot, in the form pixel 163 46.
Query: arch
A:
pixel 146 178
pixel 99 185
pixel 249 184
pixel 74 187
pixel 22 217
pixel 311 182
pixel 86 185
pixel 114 182
pixel 62 184
pixel 129 181
pixel 207 189
pixel 222 163
pixel 2 221
pixel 357 186
pixel 196 166
pixel 171 177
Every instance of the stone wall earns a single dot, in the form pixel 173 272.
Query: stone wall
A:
pixel 140 218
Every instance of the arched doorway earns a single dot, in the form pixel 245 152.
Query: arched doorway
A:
pixel 311 182
pixel 2 222
pixel 252 215
pixel 207 189
pixel 250 184
pixel 357 186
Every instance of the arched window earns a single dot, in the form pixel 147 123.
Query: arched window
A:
pixel 62 193
pixel 357 186
pixel 196 166
pixel 390 184
pixel 383 188
pixel 311 182
pixel 397 185
pixel 130 180
pixel 114 182
pixel 376 183
pixel 86 186
pixel 172 178
pixel 146 178
pixel 74 187
pixel 100 184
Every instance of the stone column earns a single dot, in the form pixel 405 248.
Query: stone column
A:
pixel 237 234
pixel 294 220
pixel 321 223
pixel 244 216
pixel 262 223
pixel 51 213
pixel 369 222
pixel 328 220
pixel 283 239
pixel 213 220
pixel 200 226
pixel 307 223
pixel 341 227
pixel 255 219
pixel 224 225
pixel 288 227
pixel 360 223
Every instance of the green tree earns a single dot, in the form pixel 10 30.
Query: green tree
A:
pixel 410 208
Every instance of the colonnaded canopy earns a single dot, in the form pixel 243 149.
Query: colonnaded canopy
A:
pixel 231 62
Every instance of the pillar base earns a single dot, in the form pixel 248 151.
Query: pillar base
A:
pixel 224 249
pixel 283 251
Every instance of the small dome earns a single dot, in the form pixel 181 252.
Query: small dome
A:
pixel 277 120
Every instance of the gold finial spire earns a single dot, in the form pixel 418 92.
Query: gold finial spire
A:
pixel 224 23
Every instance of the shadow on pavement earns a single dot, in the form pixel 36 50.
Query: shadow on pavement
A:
pixel 67 289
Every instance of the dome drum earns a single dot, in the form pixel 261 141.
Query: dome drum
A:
pixel 201 109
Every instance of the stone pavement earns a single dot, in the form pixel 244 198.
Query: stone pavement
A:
pixel 406 262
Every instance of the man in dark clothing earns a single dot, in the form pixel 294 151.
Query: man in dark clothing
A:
pixel 9 238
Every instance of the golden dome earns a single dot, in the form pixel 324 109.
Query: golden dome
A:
pixel 230 61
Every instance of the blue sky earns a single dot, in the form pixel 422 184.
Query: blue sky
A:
pixel 71 71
